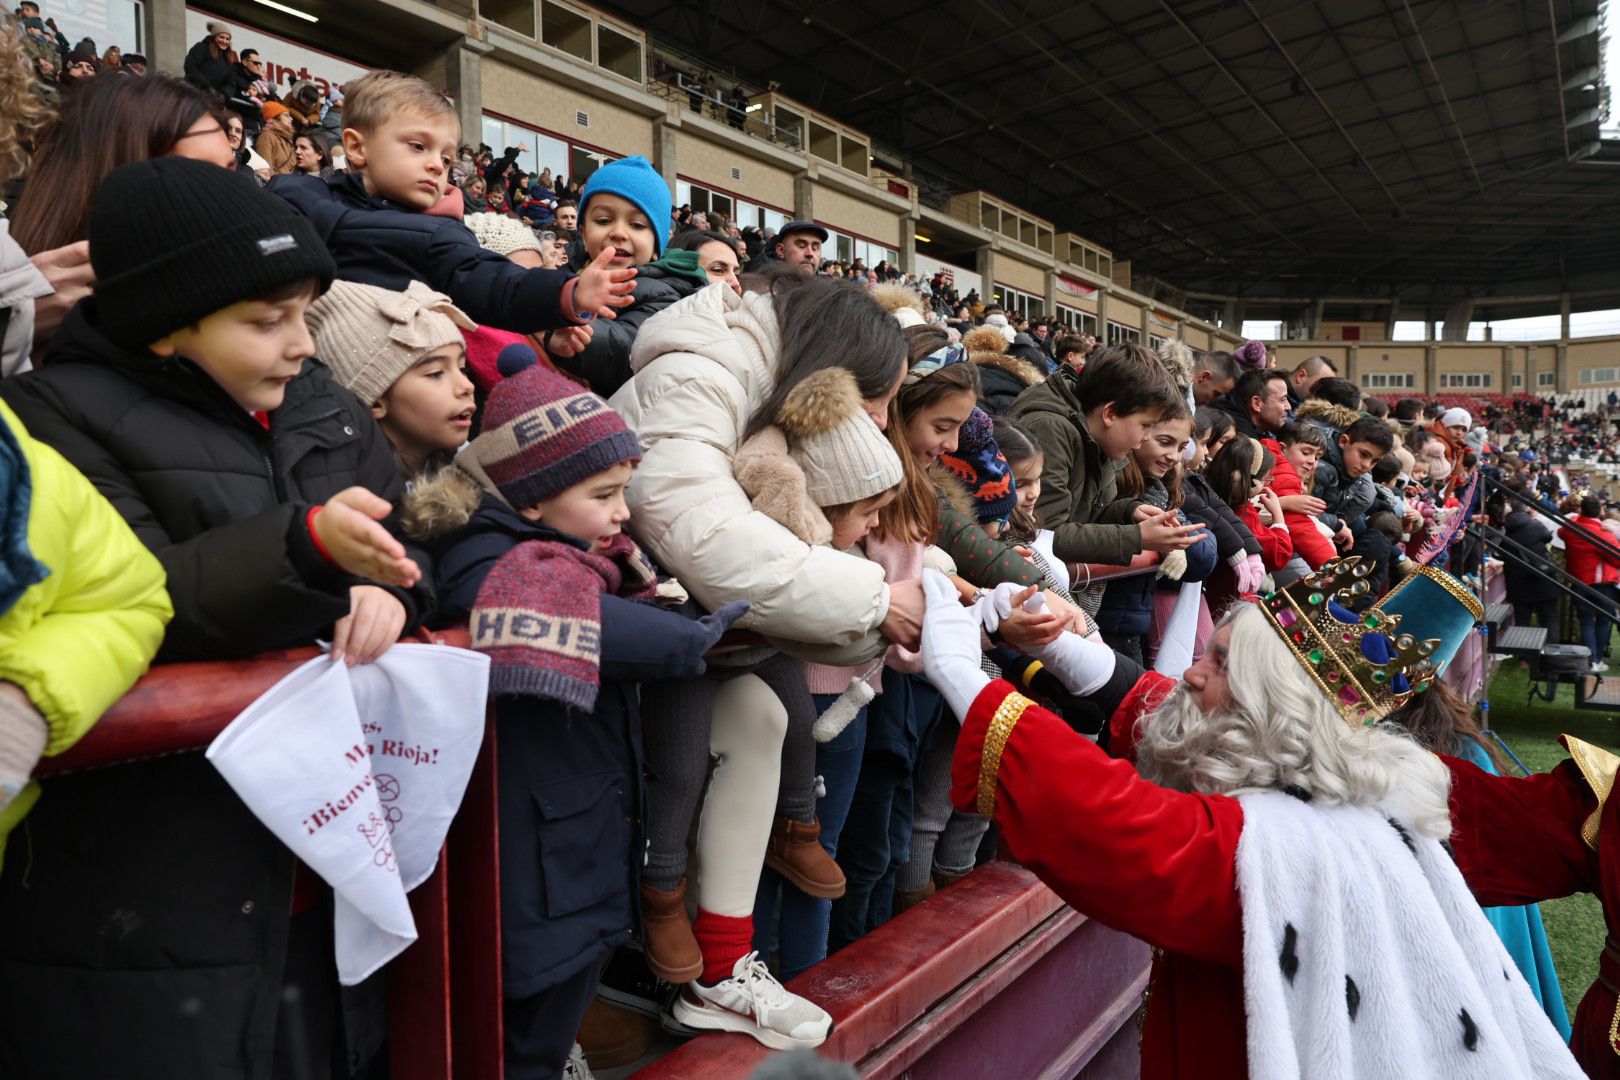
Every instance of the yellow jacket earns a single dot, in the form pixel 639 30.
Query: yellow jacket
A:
pixel 79 639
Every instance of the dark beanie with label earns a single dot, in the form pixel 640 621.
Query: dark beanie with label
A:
pixel 174 240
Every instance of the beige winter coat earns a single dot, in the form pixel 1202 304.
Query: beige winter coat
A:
pixel 701 367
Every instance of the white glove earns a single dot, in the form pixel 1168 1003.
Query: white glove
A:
pixel 1173 565
pixel 996 604
pixel 950 644
pixel 23 733
pixel 1081 664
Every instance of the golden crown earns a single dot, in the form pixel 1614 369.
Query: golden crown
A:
pixel 1335 653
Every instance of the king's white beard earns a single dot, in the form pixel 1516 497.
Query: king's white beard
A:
pixel 1184 747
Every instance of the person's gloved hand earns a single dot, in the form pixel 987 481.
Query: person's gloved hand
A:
pixel 1257 567
pixel 995 604
pixel 950 645
pixel 23 733
pixel 1082 665
pixel 1173 565
pixel 716 623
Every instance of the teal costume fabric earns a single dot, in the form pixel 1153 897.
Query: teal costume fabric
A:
pixel 1521 931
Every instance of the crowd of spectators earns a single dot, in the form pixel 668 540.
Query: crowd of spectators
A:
pixel 322 370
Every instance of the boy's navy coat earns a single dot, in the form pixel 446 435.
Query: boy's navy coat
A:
pixel 377 243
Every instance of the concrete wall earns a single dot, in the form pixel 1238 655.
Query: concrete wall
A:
pixel 1022 275
pixel 530 99
pixel 710 164
pixel 846 213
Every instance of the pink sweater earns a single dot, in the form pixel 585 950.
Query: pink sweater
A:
pixel 900 562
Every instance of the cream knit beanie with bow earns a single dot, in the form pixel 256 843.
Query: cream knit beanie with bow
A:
pixel 369 337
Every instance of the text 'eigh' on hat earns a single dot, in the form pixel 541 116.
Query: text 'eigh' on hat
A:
pixel 543 433
pixel 369 336
pixel 174 240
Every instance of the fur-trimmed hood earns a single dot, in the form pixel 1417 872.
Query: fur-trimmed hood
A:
pixel 439 503
pixel 776 486
pixel 906 305
pixel 1325 412
pixel 988 349
pixel 950 490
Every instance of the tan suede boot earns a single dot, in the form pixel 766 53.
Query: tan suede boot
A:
pixel 796 853
pixel 671 947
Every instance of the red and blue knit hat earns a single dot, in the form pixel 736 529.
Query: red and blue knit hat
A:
pixel 982 469
pixel 543 434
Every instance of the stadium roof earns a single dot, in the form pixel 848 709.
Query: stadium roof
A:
pixel 1429 148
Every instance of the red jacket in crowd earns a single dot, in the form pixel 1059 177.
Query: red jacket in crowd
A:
pixel 1589 563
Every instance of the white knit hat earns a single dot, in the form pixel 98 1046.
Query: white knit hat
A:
pixel 501 234
pixel 845 457
pixel 369 337
pixel 1456 418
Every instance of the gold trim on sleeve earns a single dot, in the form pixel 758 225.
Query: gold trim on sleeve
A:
pixel 996 735
pixel 1598 767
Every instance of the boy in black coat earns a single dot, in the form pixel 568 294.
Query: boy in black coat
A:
pixel 185 390
pixel 528 529
pixel 399 140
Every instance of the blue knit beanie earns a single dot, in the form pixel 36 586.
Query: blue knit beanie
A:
pixel 634 179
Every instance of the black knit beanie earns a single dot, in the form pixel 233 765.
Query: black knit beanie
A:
pixel 173 240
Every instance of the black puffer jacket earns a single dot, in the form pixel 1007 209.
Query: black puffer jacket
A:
pixel 146 895
pixel 605 362
pixel 1524 584
pixel 221 501
pixel 1199 502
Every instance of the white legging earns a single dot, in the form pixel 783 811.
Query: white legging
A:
pixel 734 825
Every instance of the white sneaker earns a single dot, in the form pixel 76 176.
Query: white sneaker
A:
pixel 575 1067
pixel 753 1002
pixel 1599 666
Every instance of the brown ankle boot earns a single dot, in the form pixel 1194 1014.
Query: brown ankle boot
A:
pixel 796 853
pixel 672 948
pixel 612 1036
pixel 905 899
pixel 943 878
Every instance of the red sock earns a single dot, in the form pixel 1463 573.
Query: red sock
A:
pixel 724 939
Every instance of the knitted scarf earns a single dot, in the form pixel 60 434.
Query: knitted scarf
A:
pixel 538 616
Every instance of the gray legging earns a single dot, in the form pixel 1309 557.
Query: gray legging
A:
pixel 676 731
pixel 942 836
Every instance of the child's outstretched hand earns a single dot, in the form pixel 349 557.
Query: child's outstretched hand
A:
pixel 601 288
pixel 569 341
pixel 716 623
pixel 1161 533
pixel 347 528
pixel 373 623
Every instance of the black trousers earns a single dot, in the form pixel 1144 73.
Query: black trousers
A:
pixel 540 1030
pixel 1548 612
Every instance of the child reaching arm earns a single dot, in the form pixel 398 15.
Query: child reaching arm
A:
pixel 399 139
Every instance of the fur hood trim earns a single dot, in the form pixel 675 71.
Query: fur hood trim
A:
pixel 440 503
pixel 984 339
pixel 891 298
pixel 1022 370
pixel 775 485
pixel 950 491
pixel 1335 416
pixel 1177 358
pixel 819 404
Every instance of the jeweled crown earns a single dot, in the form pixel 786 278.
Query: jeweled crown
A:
pixel 1363 663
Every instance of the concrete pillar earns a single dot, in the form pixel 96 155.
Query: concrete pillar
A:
pixel 664 153
pixel 1229 316
pixel 463 81
pixel 1389 319
pixel 1051 294
pixel 1563 330
pixel 1507 371
pixel 165 33
pixel 1102 316
pixel 1313 321
pixel 1352 365
pixel 1459 313
pixel 1431 371
pixel 1563 355
pixel 1147 324
pixel 908 243
pixel 984 263
pixel 804 197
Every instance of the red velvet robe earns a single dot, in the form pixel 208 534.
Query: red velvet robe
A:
pixel 1162 865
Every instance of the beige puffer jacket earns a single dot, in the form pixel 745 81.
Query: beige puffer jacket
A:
pixel 701 367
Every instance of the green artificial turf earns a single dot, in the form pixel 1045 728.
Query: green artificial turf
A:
pixel 1574 924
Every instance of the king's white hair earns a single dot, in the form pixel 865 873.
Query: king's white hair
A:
pixel 1280 730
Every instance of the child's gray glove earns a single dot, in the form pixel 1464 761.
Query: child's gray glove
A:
pixel 717 622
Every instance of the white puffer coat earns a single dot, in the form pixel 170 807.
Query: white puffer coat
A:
pixel 701 367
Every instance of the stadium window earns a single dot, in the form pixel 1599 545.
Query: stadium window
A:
pixel 1597 375
pixel 515 15
pixel 1546 378
pixel 1120 335
pixel 544 151
pixel 1019 302
pixel 1079 321
pixel 1386 380
pixel 1471 380
pixel 1261 330
pixel 1518 380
